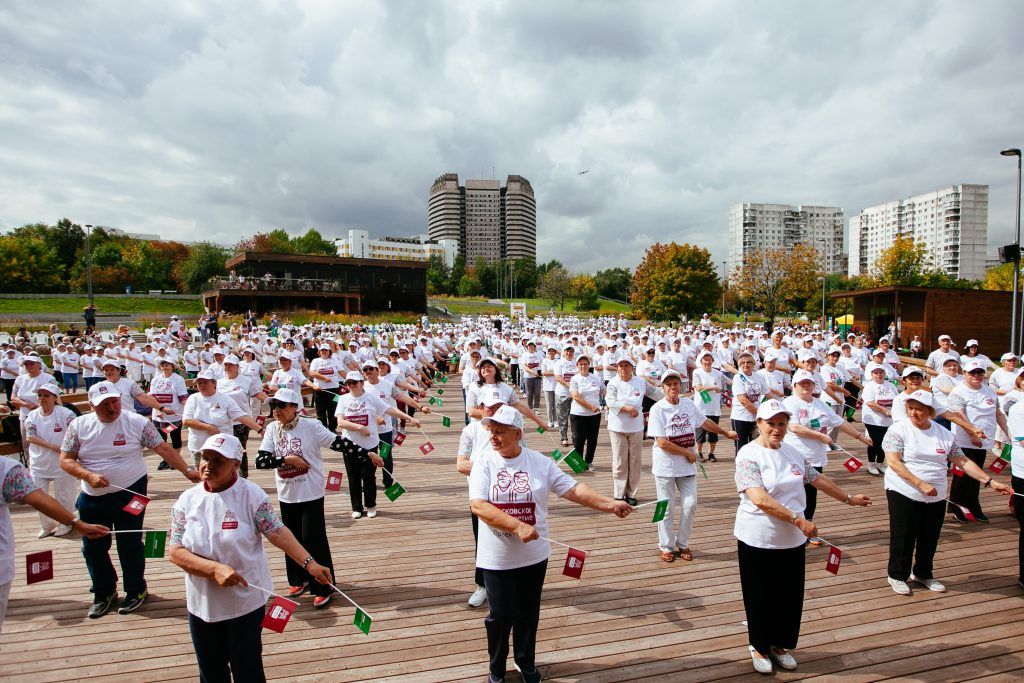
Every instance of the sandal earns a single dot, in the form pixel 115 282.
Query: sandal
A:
pixel 684 554
pixel 667 556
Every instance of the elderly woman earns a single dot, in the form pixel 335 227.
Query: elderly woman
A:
pixel 217 530
pixel 772 534
pixel 917 451
pixel 209 412
pixel 1015 421
pixel 490 381
pixel 587 391
pixel 748 389
pixel 625 396
pixel 673 426
pixel 509 488
pixel 45 428
pixel 291 447
pixel 242 389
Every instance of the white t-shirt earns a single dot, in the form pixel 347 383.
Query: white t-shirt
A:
pixel 113 449
pixel 883 394
pixel 476 394
pixel 25 388
pixel 305 440
pixel 980 406
pixel 782 473
pixel 754 388
pixel 715 378
pixel 590 388
pixel 240 390
pixel 831 375
pixel 813 415
pixel 168 391
pixel 899 405
pixel 620 394
pixel 290 379
pixel 678 423
pixel 217 410
pixel 44 463
pixel 362 410
pixel 328 367
pixel 925 453
pixel 386 391
pixel 566 369
pixel 550 365
pixel 519 486
pixel 228 527
pixel 1015 421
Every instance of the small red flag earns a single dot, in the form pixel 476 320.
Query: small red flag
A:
pixel 853 464
pixel 574 560
pixel 136 505
pixel 998 465
pixel 39 566
pixel 169 427
pixel 261 420
pixel 427 448
pixel 834 557
pixel 399 438
pixel 967 513
pixel 334 481
pixel 958 471
pixel 279 611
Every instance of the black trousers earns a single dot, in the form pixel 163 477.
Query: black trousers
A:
pixel 746 431
pixel 241 433
pixel 9 388
pixel 812 499
pixel 175 435
pixel 479 575
pixel 877 434
pixel 773 595
pixel 324 404
pixel 362 479
pixel 108 510
pixel 306 521
pixel 513 596
pixel 1018 511
pixel 913 535
pixel 229 649
pixel 514 371
pixel 705 436
pixel 964 490
pixel 584 434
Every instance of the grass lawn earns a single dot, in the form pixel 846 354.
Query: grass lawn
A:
pixel 127 304
pixel 480 306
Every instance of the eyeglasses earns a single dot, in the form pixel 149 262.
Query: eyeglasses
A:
pixel 976 372
pixel 275 404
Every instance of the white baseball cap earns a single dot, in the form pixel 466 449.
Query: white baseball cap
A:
pixel 50 387
pixel 354 376
pixel 801 376
pixel 207 374
pixel 974 364
pixel 922 396
pixel 506 415
pixel 625 359
pixel 771 408
pixel 101 391
pixel 110 362
pixel 971 342
pixel 946 337
pixel 225 444
pixel 671 373
pixel 1008 356
pixel 232 360
pixel 286 396
pixel 912 370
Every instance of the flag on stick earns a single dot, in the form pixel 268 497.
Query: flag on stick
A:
pixel 557 455
pixel 39 566
pixel 154 543
pixel 540 430
pixel 136 505
pixel 394 491
pixel 967 513
pixel 850 412
pixel 835 555
pixel 998 465
pixel 279 611
pixel 440 392
pixel 427 448
pixel 363 621
pixel 446 421
pixel 334 480
pixel 444 379
pixel 574 560
pixel 1005 453
pixel 705 396
pixel 575 461
pixel 399 438
pixel 958 471
pixel 852 464
pixel 660 508
pixel 384 449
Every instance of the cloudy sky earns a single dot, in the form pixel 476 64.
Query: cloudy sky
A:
pixel 214 120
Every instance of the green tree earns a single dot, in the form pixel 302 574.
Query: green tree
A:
pixel 29 265
pixel 273 242
pixel 674 280
pixel 614 283
pixel 469 286
pixel 524 274
pixel 205 260
pixel 438 275
pixel 906 262
pixel 556 284
pixel 65 239
pixel 312 243
pixel 487 275
pixel 772 280
pixel 584 291
pixel 457 273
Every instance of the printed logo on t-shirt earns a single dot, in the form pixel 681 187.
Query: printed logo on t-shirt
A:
pixel 512 494
pixel 940 451
pixel 57 428
pixel 230 521
pixel 283 450
pixel 796 471
pixel 680 429
pixel 120 439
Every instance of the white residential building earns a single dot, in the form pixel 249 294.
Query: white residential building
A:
pixel 753 227
pixel 951 223
pixel 359 244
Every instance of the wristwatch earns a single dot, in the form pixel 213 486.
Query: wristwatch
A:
pixel 988 483
pixel 792 520
pixel 848 498
pixel 305 563
pixel 74 520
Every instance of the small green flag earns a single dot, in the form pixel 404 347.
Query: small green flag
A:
pixel 432 400
pixel 154 543
pixel 394 491
pixel 659 511
pixel 541 430
pixel 385 449
pixel 444 379
pixel 337 398
pixel 1005 453
pixel 896 383
pixel 556 455
pixel 362 621
pixel 815 424
pixel 849 412
pixel 702 470
pixel 446 421
pixel 705 395
pixel 575 461
pixel 440 392
pixel 440 403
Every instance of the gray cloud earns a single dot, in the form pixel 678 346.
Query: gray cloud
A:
pixel 214 120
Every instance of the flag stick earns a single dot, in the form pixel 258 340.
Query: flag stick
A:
pixel 551 540
pixel 354 603
pixel 129 490
pixel 643 505
pixel 822 540
pixel 132 531
pixel 268 592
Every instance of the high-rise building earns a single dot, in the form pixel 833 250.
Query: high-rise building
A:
pixel 753 227
pixel 951 224
pixel 486 219
pixel 359 244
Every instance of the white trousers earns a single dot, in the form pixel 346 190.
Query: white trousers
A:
pixel 681 491
pixel 65 490
pixel 5 593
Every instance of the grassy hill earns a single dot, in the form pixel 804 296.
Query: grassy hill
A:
pixel 126 304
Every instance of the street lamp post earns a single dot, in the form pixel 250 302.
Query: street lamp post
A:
pixel 725 281
pixel 88 261
pixel 1015 338
pixel 824 279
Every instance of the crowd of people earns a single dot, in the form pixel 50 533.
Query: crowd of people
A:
pixel 788 394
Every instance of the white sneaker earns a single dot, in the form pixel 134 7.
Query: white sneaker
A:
pixel 873 470
pixel 478 597
pixel 43 533
pixel 371 512
pixel 783 658
pixel 62 530
pixel 900 587
pixel 357 515
pixel 762 665
pixel 930 584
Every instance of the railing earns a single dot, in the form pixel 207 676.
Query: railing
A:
pixel 275 284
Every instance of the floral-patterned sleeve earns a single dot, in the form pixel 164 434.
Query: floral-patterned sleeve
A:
pixel 955 452
pixel 71 444
pixel 465 443
pixel 267 521
pixel 955 402
pixel 748 475
pixel 177 525
pixel 150 437
pixel 17 484
pixel 810 474
pixel 893 442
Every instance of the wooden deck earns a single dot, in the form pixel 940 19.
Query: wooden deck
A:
pixel 631 617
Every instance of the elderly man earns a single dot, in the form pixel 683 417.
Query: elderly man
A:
pixel 104 450
pixel 625 397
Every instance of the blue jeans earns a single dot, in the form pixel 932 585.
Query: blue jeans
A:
pixel 229 649
pixel 108 510
pixel 71 381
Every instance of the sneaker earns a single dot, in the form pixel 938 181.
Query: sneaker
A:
pixel 132 602
pixel 528 676
pixel 478 598
pixel 783 658
pixel 296 591
pixel 43 533
pixel 163 466
pixel 62 530
pixel 101 607
pixel 356 514
pixel 491 678
pixel 321 601
pixel 900 587
pixel 712 458
pixel 700 457
pixel 873 470
pixel 371 512
pixel 762 665
pixel 981 517
pixel 931 584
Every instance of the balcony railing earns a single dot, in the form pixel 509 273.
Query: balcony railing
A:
pixel 274 284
